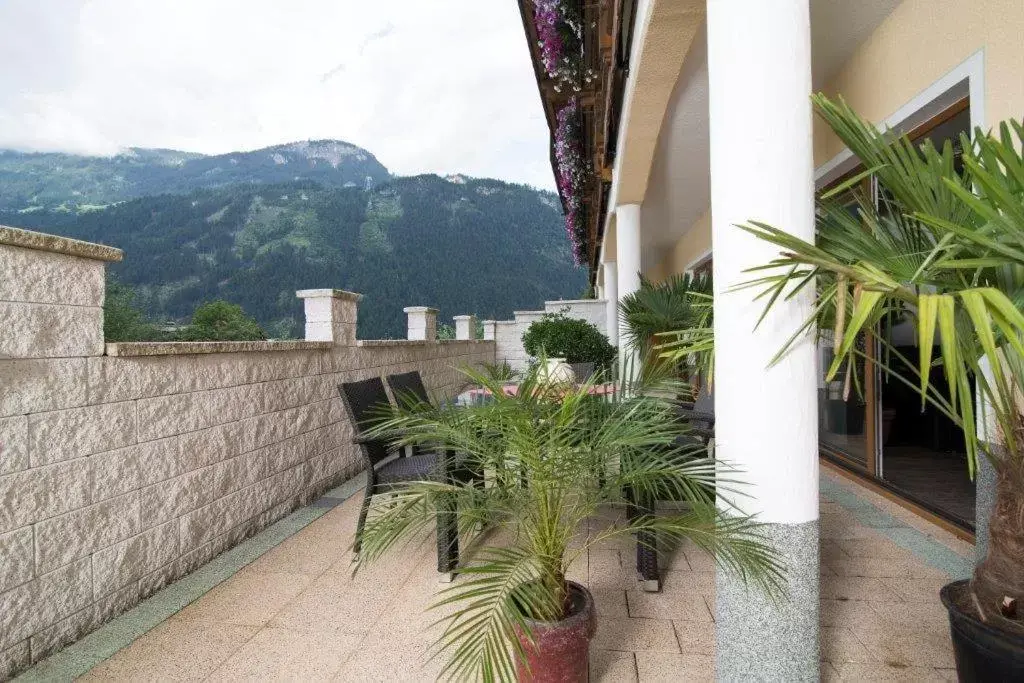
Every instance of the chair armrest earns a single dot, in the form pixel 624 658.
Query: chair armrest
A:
pixel 696 416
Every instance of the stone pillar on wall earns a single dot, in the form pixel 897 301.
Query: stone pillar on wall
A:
pixel 490 329
pixel 330 315
pixel 465 327
pixel 422 323
pixel 51 295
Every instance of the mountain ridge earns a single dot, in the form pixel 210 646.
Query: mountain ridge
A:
pixel 34 181
pixel 458 243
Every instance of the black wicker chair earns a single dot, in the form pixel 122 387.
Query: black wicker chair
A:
pixel 700 418
pixel 364 401
pixel 582 371
pixel 408 386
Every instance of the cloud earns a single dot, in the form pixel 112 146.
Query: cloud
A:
pixel 442 86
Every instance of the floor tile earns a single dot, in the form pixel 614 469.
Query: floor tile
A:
pixel 277 654
pixel 695 638
pixel 877 567
pixel 611 603
pixel 852 671
pixel 174 651
pixel 857 588
pixel 248 599
pixel 661 667
pixel 839 644
pixel 609 666
pixel 909 648
pixel 678 605
pixel 635 635
pixel 917 590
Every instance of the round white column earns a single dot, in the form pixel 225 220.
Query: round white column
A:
pixel 611 295
pixel 627 245
pixel 759 69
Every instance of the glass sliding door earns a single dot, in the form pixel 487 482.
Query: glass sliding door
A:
pixel 877 425
pixel 921 451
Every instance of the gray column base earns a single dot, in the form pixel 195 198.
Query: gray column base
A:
pixel 761 640
pixel 985 500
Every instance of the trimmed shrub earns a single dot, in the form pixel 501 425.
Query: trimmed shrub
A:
pixel 578 341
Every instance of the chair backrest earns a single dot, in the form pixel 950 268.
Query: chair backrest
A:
pixel 364 402
pixel 582 371
pixel 408 386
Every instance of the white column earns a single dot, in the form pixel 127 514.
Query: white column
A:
pixel 759 66
pixel 627 243
pixel 611 295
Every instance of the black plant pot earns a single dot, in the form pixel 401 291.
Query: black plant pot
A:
pixel 983 653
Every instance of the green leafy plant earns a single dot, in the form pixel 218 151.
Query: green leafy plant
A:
pixel 499 372
pixel 675 316
pixel 945 249
pixel 445 332
pixel 559 336
pixel 122 320
pixel 554 457
pixel 221 321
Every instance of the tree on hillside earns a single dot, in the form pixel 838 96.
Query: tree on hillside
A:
pixel 122 320
pixel 221 321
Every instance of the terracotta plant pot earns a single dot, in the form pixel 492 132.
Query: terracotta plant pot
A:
pixel 559 651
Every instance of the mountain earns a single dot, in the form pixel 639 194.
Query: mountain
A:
pixel 32 182
pixel 461 244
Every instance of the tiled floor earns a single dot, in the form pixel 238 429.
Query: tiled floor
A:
pixel 298 613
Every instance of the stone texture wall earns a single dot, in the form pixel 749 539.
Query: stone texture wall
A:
pixel 125 470
pixel 508 334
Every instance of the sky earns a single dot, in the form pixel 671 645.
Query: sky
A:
pixel 428 86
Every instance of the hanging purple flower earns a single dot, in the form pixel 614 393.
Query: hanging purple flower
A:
pixel 573 173
pixel 560 33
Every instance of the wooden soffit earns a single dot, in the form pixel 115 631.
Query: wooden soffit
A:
pixel 661 46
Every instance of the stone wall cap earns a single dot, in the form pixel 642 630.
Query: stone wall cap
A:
pixel 130 349
pixel 463 317
pixel 504 322
pixel 575 301
pixel 41 241
pixel 395 342
pixel 419 309
pixel 333 293
pixel 528 312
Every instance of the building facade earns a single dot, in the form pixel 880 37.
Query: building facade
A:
pixel 699 119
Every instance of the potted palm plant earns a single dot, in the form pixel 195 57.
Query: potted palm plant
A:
pixel 553 455
pixel 945 248
pixel 676 311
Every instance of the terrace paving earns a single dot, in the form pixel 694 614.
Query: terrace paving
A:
pixel 296 612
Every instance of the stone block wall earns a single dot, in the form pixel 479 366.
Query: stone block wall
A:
pixel 124 467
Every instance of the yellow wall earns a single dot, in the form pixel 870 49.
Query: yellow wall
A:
pixel 920 42
pixel 691 246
